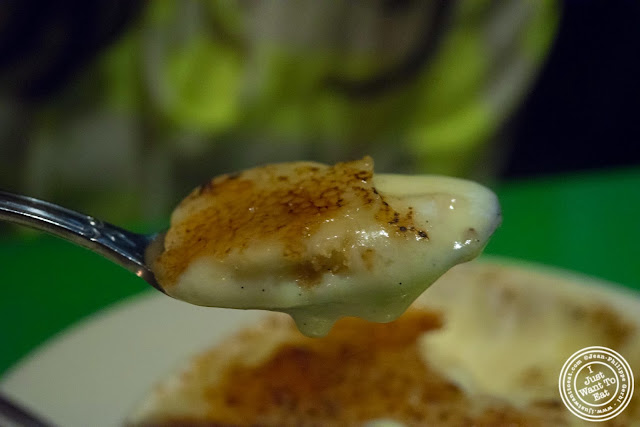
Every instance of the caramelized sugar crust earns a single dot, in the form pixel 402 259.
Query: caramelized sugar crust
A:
pixel 281 203
pixel 360 372
pixel 271 375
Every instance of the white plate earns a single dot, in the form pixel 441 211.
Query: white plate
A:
pixel 94 373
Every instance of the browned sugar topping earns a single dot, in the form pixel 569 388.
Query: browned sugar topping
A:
pixel 363 371
pixel 360 372
pixel 284 203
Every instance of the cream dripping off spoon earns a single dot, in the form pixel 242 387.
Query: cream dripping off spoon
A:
pixel 315 241
pixel 321 242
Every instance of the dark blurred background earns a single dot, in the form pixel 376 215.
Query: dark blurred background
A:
pixel 582 113
pixel 90 118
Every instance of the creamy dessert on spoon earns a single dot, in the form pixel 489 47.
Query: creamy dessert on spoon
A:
pixel 321 242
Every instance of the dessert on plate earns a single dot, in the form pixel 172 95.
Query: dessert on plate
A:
pixel 483 346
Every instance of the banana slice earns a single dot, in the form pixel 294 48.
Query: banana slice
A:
pixel 321 242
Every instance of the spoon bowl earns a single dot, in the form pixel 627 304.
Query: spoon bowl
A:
pixel 315 241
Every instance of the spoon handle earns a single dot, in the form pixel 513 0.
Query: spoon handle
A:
pixel 116 244
pixel 16 415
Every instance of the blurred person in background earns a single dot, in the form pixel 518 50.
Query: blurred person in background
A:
pixel 118 108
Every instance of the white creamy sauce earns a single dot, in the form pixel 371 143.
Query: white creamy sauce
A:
pixel 360 266
pixel 384 422
pixel 509 330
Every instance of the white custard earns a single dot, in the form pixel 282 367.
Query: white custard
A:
pixel 321 242
pixel 384 422
pixel 483 346
pixel 509 329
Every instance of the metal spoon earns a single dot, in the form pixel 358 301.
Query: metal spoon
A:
pixel 125 248
pixel 16 415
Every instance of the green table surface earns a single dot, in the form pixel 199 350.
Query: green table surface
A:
pixel 587 222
